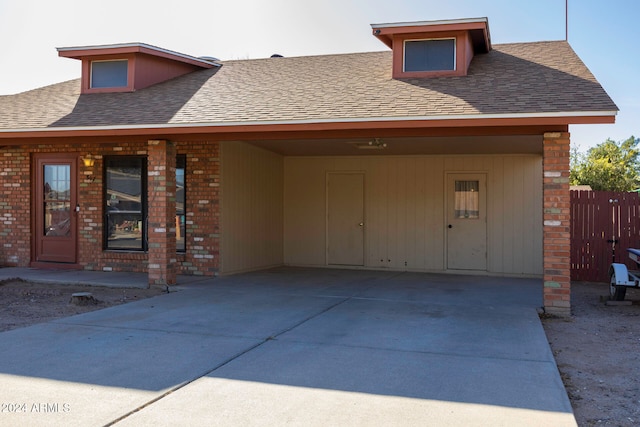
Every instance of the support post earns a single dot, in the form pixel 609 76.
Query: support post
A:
pixel 556 227
pixel 161 228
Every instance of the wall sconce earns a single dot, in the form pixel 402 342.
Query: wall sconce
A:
pixel 88 161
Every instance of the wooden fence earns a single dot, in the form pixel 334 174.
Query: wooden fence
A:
pixel 603 225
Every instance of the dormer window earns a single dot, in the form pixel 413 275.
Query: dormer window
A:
pixel 131 66
pixel 431 49
pixel 430 55
pixel 109 74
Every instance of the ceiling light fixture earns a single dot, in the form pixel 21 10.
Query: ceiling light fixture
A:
pixel 374 144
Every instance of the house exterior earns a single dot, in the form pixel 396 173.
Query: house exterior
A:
pixel 442 153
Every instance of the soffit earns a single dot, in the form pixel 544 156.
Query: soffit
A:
pixel 490 144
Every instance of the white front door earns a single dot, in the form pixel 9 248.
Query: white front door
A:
pixel 345 218
pixel 466 221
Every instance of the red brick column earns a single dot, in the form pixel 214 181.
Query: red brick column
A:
pixel 203 208
pixel 161 228
pixel 556 228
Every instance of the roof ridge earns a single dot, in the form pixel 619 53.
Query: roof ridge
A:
pixel 308 56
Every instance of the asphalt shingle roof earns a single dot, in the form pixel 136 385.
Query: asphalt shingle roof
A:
pixel 519 78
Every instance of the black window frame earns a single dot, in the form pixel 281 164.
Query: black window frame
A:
pixel 112 161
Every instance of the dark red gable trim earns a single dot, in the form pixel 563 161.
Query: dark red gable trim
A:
pixel 147 65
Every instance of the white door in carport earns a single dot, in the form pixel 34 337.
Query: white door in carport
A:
pixel 466 221
pixel 345 219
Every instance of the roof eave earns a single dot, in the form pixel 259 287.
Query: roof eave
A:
pixel 427 122
pixel 431 23
pixel 478 27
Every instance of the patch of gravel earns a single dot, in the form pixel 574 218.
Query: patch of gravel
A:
pixel 597 351
pixel 26 303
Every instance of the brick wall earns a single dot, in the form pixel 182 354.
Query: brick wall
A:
pixel 15 207
pixel 203 208
pixel 202 205
pixel 556 228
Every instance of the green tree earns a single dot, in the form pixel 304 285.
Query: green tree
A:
pixel 609 166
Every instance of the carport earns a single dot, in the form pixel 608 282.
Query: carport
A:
pixel 449 203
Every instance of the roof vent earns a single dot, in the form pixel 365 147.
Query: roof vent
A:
pixel 211 59
pixel 277 55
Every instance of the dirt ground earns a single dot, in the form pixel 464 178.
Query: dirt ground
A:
pixel 25 303
pixel 597 349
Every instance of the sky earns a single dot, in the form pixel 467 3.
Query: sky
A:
pixel 603 33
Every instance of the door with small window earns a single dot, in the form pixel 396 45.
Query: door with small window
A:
pixel 55 208
pixel 466 221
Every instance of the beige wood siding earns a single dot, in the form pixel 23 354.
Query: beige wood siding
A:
pixel 305 212
pixel 405 212
pixel 251 208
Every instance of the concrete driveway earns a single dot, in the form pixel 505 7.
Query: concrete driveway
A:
pixel 294 346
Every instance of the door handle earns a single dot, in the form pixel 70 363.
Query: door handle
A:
pixel 361 224
pixel 450 226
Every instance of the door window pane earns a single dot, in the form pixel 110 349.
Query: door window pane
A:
pixel 125 203
pixel 467 200
pixel 57 200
